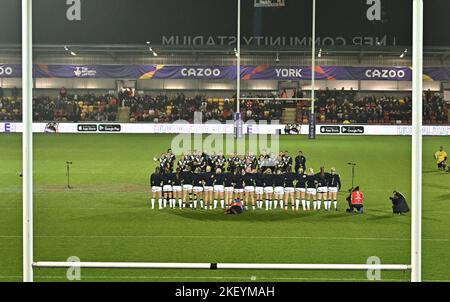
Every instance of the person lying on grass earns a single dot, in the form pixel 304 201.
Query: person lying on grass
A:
pixel 236 207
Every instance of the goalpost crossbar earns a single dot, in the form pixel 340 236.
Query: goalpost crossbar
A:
pixel 221 266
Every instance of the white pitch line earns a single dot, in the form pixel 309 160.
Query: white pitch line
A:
pixel 211 237
pixel 252 278
pixel 226 237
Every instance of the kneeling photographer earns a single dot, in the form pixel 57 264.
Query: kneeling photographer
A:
pixel 355 201
pixel 399 204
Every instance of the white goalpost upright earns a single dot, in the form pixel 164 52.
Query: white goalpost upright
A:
pixel 414 266
pixel 238 59
pixel 313 59
pixel 416 177
pixel 27 139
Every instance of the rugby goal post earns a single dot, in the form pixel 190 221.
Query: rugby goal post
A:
pixel 221 266
pixel 27 148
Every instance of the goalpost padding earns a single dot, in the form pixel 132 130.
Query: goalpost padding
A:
pixel 221 266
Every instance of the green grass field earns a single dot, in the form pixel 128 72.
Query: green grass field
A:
pixel 106 216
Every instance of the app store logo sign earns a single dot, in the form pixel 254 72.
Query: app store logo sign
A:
pixel 342 130
pixel 87 128
pixel 330 129
pixel 109 128
pixel 353 129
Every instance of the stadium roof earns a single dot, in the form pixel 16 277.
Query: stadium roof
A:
pixel 440 52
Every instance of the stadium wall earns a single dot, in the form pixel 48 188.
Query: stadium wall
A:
pixel 223 88
pixel 216 128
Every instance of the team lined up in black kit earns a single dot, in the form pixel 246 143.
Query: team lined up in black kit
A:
pixel 256 181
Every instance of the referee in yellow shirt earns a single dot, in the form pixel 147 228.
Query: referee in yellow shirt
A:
pixel 441 158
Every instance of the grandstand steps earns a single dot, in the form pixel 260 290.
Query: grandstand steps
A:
pixel 289 116
pixel 123 114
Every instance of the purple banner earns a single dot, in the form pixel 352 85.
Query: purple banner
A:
pixel 260 72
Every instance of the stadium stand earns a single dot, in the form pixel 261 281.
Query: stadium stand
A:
pixel 333 107
pixel 70 108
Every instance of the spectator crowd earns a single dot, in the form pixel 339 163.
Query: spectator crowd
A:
pixel 161 109
pixel 344 107
pixel 333 106
pixel 64 108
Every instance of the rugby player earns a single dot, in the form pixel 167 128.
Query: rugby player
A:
pixel 300 162
pixel 261 163
pixel 155 183
pixel 229 189
pixel 170 159
pixel 268 177
pixel 220 162
pixel 259 189
pixel 441 158
pixel 268 187
pixel 163 163
pixel 197 189
pixel 219 188
pixel 167 186
pixel 249 188
pixel 311 189
pixel 278 191
pixel 208 187
pixel 322 188
pixel 300 189
pixel 289 191
pixel 334 186
pixel 177 189
pixel 287 159
pixel 238 184
pixel 211 161
pixel 232 160
pixel 187 179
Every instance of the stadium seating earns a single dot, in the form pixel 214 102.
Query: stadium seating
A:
pixel 332 107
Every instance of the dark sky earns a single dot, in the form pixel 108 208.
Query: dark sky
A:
pixel 136 21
